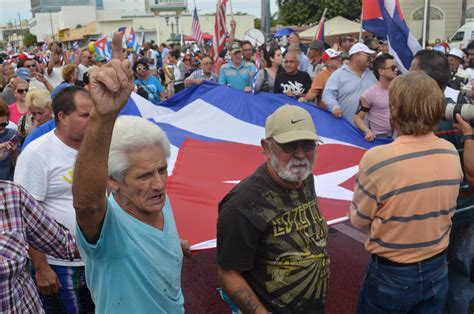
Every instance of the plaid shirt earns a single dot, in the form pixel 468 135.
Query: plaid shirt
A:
pixel 23 222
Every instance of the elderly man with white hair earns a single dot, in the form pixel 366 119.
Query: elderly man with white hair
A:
pixel 129 242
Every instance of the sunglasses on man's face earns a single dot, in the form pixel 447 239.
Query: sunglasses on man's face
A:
pixel 30 65
pixel 291 147
pixel 21 91
pixel 141 69
pixel 393 68
pixel 3 124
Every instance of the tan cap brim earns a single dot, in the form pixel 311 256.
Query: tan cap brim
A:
pixel 295 135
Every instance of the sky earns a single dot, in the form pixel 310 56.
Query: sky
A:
pixel 9 9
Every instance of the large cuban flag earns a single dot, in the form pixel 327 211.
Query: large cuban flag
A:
pixel 384 18
pixel 215 134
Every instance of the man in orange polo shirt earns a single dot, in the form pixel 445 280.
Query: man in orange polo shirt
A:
pixel 332 60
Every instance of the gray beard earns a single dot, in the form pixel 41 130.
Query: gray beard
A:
pixel 291 173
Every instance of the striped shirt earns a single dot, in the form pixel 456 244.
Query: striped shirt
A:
pixel 23 223
pixel 405 193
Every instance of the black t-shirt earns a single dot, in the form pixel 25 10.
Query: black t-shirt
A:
pixel 277 239
pixel 299 84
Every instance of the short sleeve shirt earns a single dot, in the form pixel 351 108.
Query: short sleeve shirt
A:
pixel 134 267
pixel 379 110
pixel 277 239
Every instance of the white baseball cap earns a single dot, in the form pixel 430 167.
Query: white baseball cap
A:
pixel 456 52
pixel 359 47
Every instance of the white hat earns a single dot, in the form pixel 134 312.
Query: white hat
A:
pixel 359 47
pixel 456 52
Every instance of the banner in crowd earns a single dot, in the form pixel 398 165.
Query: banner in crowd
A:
pixel 215 134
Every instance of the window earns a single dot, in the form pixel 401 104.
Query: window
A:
pixel 470 13
pixel 459 36
pixel 436 14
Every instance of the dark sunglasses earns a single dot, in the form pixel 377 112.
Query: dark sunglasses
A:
pixel 187 59
pixel 3 124
pixel 141 69
pixel 30 65
pixel 393 68
pixel 21 91
pixel 291 147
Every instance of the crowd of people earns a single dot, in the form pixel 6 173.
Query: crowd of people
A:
pixel 70 245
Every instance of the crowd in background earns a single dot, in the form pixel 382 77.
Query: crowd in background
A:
pixel 350 79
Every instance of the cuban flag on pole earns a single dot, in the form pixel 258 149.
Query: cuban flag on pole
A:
pixel 384 18
pixel 132 41
pixel 215 134
pixel 320 33
pixel 102 48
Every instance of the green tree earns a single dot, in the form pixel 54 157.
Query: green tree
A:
pixel 299 12
pixel 29 39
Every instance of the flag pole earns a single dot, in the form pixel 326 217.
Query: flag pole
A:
pixel 360 31
pixel 319 25
pixel 231 10
pixel 425 24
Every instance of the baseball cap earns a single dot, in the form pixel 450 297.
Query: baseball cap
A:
pixel 316 44
pixel 456 52
pixel 100 59
pixel 330 54
pixel 235 47
pixel 290 123
pixel 359 47
pixel 23 73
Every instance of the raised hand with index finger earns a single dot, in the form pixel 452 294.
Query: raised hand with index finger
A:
pixel 112 84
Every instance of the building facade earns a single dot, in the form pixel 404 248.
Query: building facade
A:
pixel 446 16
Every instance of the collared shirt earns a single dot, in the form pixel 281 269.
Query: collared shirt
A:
pixel 237 77
pixel 199 74
pixel 344 88
pixel 24 223
pixel 304 62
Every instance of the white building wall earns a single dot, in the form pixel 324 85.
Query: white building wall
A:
pixel 40 25
pixel 71 16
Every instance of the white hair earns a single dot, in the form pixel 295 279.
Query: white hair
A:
pixel 133 133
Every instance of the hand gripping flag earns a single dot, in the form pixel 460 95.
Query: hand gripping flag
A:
pixel 102 48
pixel 215 134
pixel 384 18
pixel 132 41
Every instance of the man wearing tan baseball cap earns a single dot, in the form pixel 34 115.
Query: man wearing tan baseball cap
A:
pixel 271 236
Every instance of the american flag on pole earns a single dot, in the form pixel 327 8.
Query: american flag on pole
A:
pixel 218 41
pixel 196 27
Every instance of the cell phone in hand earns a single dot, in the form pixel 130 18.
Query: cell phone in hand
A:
pixel 15 138
pixel 122 29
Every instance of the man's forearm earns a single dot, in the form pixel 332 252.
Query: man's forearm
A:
pixel 38 259
pixel 91 174
pixel 240 292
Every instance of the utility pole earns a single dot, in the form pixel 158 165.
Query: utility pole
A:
pixel 51 21
pixel 265 17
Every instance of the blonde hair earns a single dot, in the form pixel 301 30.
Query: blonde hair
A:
pixel 17 82
pixel 68 70
pixel 38 98
pixel 416 103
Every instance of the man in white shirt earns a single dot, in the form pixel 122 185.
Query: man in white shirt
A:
pixel 45 168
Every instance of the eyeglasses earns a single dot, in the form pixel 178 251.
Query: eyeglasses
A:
pixel 393 68
pixel 30 66
pixel 187 59
pixel 141 69
pixel 291 147
pixel 4 124
pixel 21 91
pixel 207 63
pixel 290 61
